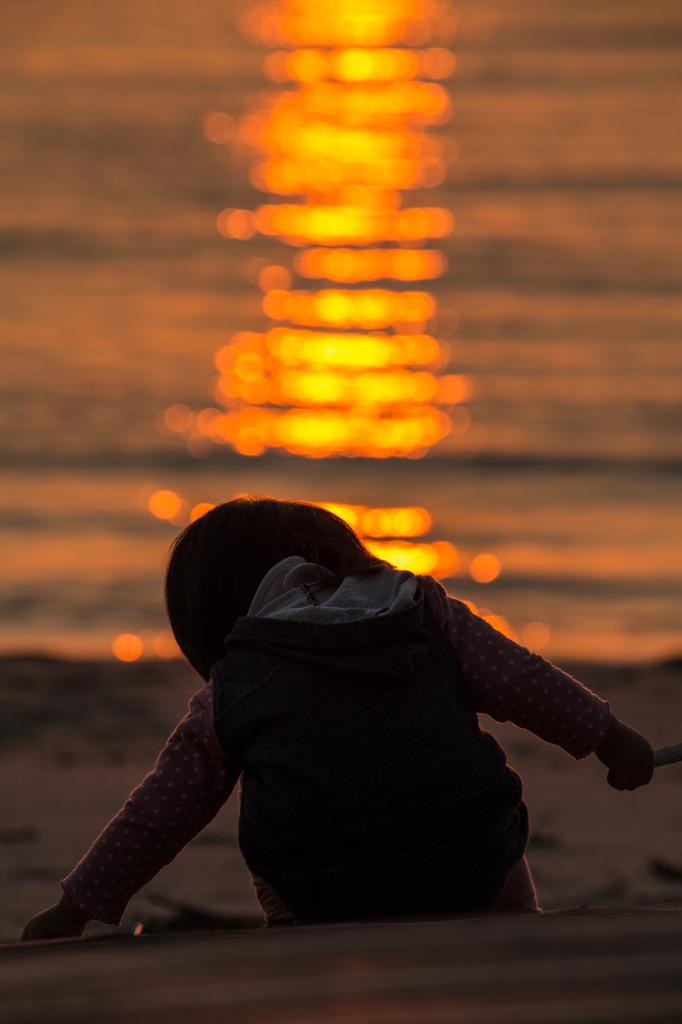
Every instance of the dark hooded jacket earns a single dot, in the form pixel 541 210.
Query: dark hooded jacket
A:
pixel 368 788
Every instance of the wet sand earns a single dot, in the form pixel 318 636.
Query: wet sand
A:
pixel 76 737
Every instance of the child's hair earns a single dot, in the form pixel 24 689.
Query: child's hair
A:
pixel 217 562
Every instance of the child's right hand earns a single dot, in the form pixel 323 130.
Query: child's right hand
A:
pixel 627 754
pixel 58 922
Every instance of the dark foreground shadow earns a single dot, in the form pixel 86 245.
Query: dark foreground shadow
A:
pixel 582 965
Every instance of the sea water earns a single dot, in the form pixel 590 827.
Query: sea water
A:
pixel 565 277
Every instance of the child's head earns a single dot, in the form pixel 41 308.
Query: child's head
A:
pixel 217 562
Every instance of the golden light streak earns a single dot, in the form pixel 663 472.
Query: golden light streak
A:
pixel 359 65
pixel 348 22
pixel 343 225
pixel 298 387
pixel 439 559
pixel 373 308
pixel 344 351
pixel 318 434
pixel 386 407
pixel 383 522
pixel 352 265
pixel 345 112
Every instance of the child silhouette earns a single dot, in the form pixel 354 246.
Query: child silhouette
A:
pixel 343 695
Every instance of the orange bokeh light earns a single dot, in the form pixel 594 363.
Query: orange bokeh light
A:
pixel 200 510
pixel 535 635
pixel 485 568
pixel 178 418
pixel 131 646
pixel 165 504
pixel 165 645
pixel 453 389
pixel 273 277
pixel 206 419
pixel 218 127
pixel 236 224
pixel 127 647
pixel 499 623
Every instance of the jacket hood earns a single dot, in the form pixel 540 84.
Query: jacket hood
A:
pixel 371 622
pixel 294 589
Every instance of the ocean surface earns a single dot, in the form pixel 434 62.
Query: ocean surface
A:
pixel 565 273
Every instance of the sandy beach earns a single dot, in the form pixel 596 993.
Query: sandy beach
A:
pixel 76 737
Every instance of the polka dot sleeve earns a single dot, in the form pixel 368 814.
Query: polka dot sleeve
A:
pixel 511 684
pixel 190 783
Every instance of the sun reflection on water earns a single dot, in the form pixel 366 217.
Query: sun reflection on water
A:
pixel 348 132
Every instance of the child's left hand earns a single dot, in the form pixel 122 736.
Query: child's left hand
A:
pixel 58 922
pixel 627 754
